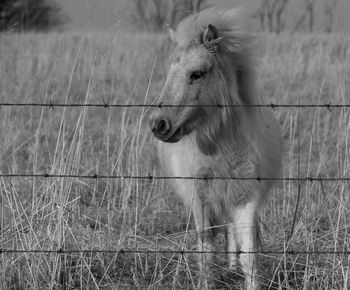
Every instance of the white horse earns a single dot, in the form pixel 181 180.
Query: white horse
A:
pixel 212 64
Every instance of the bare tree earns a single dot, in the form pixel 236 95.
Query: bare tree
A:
pixel 309 11
pixel 19 15
pixel 299 23
pixel 179 9
pixel 274 12
pixel 260 13
pixel 281 15
pixel 329 9
pixel 270 11
pixel 192 6
pixel 152 15
pixel 310 6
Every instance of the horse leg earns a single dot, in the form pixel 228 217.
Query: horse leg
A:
pixel 244 218
pixel 232 248
pixel 205 243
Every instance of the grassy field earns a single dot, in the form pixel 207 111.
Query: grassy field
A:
pixel 113 214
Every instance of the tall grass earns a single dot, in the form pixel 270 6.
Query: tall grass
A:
pixel 90 214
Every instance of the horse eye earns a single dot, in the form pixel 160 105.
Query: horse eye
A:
pixel 197 75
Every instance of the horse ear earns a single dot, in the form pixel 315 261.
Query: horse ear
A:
pixel 172 34
pixel 210 33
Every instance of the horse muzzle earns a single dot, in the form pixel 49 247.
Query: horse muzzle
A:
pixel 165 131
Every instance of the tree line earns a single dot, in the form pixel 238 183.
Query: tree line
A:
pixel 272 15
pixel 154 15
pixel 23 15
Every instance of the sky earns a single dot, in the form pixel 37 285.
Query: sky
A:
pixel 107 14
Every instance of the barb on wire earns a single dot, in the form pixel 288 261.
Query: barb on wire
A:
pixel 106 105
pixel 151 177
pixel 155 251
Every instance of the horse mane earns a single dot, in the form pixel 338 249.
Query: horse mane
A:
pixel 234 53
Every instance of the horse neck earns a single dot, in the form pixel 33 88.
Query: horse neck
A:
pixel 223 135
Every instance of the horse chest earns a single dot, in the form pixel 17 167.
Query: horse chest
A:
pixel 187 160
pixel 184 159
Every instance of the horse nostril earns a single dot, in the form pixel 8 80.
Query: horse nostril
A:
pixel 162 127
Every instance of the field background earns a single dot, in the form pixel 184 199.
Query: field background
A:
pixel 113 214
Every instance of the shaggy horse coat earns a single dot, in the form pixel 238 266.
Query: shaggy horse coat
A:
pixel 207 135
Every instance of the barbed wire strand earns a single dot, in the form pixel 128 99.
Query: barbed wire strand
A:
pixel 143 251
pixel 152 177
pixel 107 105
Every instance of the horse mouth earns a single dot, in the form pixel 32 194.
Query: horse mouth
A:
pixel 176 137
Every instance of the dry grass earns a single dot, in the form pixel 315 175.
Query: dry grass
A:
pixel 85 214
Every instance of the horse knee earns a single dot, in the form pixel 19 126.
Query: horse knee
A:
pixel 245 226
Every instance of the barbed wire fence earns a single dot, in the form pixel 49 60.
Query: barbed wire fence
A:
pixel 107 105
pixel 150 177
